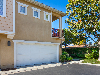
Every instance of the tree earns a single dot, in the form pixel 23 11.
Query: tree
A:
pixel 84 18
pixel 71 39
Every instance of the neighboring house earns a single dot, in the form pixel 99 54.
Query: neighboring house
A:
pixel 26 33
pixel 75 46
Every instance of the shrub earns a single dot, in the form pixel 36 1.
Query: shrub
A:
pixel 73 55
pixel 79 52
pixel 80 55
pixel 92 61
pixel 69 58
pixel 64 53
pixel 89 56
pixel 63 57
pixel 94 54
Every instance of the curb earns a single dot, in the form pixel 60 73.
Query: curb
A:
pixel 43 66
pixel 80 62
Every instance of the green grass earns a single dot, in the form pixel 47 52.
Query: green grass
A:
pixel 92 61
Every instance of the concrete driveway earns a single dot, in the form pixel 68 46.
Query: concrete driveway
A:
pixel 69 69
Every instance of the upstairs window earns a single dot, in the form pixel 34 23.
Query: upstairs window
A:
pixel 36 12
pixel 22 8
pixel 47 16
pixel 3 8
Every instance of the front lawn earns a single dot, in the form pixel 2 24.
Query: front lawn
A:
pixel 92 61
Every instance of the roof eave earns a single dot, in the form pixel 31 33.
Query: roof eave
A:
pixel 46 7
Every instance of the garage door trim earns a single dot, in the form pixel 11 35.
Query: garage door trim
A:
pixel 23 41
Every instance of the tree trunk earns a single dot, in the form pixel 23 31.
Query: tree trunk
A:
pixel 65 47
pixel 99 43
pixel 99 50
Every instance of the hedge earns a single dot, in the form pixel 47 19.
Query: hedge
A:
pixel 78 52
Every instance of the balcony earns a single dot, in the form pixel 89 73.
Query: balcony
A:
pixel 56 32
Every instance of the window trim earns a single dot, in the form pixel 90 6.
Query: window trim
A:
pixel 38 10
pixel 46 13
pixel 23 5
pixel 4 9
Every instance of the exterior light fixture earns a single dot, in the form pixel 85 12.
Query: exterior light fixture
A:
pixel 9 43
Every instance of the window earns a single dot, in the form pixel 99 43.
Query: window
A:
pixel 36 12
pixel 47 16
pixel 22 8
pixel 3 8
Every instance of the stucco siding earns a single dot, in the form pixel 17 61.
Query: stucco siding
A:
pixel 6 52
pixel 29 28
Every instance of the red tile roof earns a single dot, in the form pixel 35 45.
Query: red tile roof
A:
pixel 74 46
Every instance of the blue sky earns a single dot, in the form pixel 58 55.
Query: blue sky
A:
pixel 59 5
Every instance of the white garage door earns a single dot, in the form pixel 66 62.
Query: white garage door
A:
pixel 30 54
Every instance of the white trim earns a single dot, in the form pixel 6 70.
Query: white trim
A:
pixel 46 13
pixel 38 10
pixel 14 54
pixel 13 16
pixel 51 24
pixel 60 26
pixel 4 9
pixel 57 53
pixel 35 42
pixel 23 41
pixel 23 5
pixel 55 37
pixel 6 32
pixel 10 36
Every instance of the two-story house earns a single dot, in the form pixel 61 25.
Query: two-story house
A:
pixel 26 36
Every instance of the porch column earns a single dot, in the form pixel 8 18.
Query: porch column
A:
pixel 60 26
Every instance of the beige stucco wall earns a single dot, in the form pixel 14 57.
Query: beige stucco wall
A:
pixel 32 29
pixel 6 52
pixel 6 24
pixel 26 28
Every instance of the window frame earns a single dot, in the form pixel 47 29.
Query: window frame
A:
pixel 23 5
pixel 38 10
pixel 4 9
pixel 46 13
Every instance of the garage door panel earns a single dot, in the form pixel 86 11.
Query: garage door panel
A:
pixel 20 60
pixel 23 49
pixel 35 53
pixel 23 56
pixel 47 54
pixel 30 54
pixel 44 54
